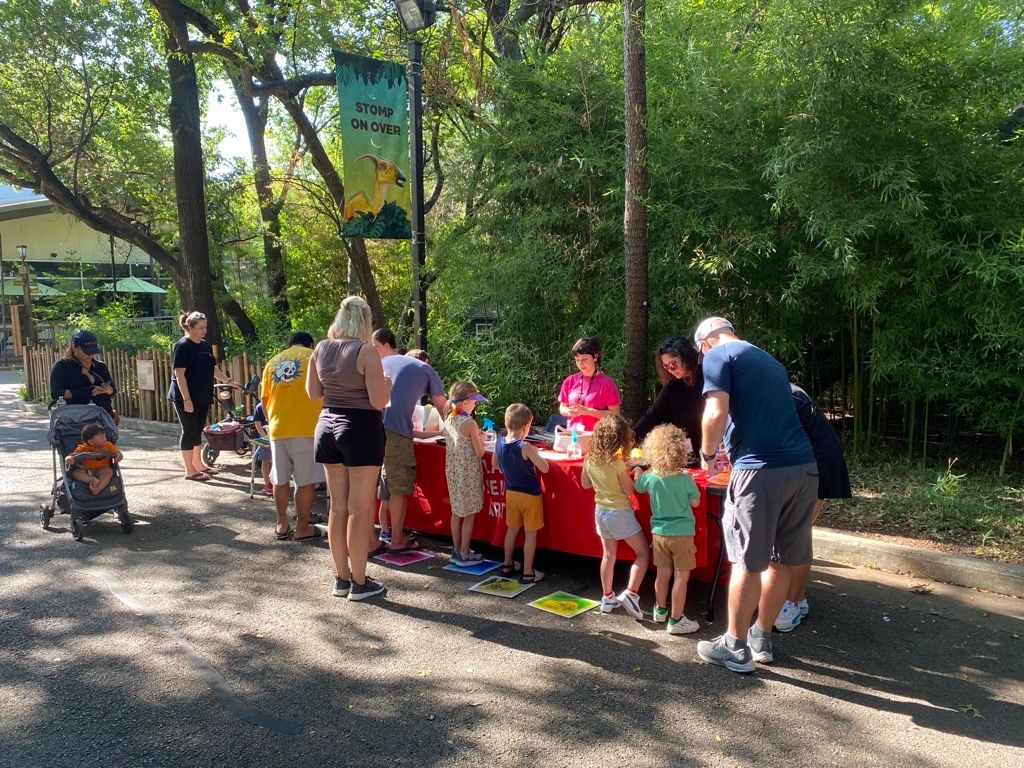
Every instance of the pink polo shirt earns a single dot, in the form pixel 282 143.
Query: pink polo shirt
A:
pixel 597 392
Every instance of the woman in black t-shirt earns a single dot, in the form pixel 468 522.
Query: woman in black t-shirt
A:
pixel 80 378
pixel 191 392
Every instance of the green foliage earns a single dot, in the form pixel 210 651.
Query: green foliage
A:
pixel 973 510
pixel 115 328
pixel 390 222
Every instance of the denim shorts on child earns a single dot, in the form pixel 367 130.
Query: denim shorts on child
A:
pixel 615 524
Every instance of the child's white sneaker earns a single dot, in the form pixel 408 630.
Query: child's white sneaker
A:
pixel 609 603
pixel 684 626
pixel 660 615
pixel 631 602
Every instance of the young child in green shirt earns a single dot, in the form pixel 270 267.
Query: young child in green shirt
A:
pixel 673 496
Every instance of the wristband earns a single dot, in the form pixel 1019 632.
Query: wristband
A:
pixel 709 457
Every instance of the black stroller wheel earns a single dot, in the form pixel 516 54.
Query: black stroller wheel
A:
pixel 209 455
pixel 45 513
pixel 77 528
pixel 126 520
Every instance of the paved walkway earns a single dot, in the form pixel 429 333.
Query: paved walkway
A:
pixel 199 640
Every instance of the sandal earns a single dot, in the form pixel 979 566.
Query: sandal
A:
pixel 509 570
pixel 314 535
pixel 282 536
pixel 200 477
pixel 411 545
pixel 211 471
pixel 532 578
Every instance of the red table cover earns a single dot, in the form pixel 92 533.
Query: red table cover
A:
pixel 568 509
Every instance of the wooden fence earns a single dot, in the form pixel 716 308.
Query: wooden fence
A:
pixel 151 404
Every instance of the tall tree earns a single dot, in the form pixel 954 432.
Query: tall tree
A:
pixel 189 172
pixel 634 227
pixel 83 121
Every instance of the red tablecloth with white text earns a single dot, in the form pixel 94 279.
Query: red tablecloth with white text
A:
pixel 568 509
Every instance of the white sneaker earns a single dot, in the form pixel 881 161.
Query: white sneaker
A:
pixel 684 626
pixel 804 608
pixel 609 603
pixel 788 618
pixel 760 647
pixel 631 603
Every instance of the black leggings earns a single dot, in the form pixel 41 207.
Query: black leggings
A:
pixel 191 425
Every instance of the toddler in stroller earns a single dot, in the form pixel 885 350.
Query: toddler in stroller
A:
pixel 97 468
pixel 78 466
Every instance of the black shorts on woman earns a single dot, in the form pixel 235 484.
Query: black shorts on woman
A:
pixel 350 436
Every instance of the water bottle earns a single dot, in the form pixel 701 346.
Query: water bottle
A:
pixel 61 402
pixel 574 451
pixel 490 436
pixel 238 411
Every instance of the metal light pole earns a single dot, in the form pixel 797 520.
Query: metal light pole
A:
pixel 416 15
pixel 3 303
pixel 26 293
pixel 419 246
pixel 113 274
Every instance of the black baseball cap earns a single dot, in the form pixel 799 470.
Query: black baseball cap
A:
pixel 87 342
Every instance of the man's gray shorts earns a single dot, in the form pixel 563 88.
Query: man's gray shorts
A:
pixel 293 460
pixel 768 516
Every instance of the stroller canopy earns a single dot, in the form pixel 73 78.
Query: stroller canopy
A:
pixel 66 425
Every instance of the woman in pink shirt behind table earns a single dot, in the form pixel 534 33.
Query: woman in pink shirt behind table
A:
pixel 590 395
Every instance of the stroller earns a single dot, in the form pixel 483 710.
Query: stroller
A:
pixel 237 432
pixel 69 496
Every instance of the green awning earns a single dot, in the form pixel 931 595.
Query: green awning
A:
pixel 131 285
pixel 12 288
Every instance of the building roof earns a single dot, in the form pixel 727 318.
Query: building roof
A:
pixel 131 285
pixel 16 203
pixel 12 287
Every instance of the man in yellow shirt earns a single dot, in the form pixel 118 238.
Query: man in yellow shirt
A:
pixel 291 421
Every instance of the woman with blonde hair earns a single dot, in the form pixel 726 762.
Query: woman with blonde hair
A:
pixel 346 372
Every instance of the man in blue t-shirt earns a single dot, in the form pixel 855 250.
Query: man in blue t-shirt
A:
pixel 772 488
pixel 410 380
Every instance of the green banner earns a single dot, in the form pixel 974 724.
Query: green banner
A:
pixel 374 110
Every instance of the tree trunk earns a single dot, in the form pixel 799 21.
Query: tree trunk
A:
pixel 255 113
pixel 635 212
pixel 189 175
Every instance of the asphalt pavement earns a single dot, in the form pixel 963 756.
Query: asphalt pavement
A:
pixel 199 640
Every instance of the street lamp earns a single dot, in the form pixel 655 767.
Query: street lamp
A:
pixel 26 293
pixel 3 304
pixel 417 15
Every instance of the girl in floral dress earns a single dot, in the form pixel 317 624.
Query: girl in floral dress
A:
pixel 462 468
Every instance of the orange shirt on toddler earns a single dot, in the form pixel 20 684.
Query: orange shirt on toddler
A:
pixel 97 462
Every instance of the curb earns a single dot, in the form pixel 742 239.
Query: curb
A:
pixel 131 425
pixel 1003 578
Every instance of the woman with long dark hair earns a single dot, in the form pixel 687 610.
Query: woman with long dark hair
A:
pixel 80 378
pixel 680 401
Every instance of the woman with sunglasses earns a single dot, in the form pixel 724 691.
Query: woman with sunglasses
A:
pixel 680 401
